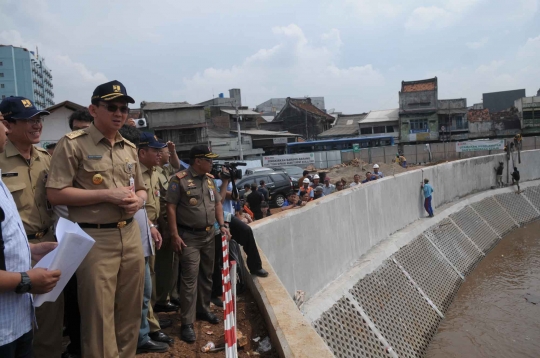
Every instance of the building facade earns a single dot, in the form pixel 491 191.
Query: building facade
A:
pixel 452 115
pixel 418 105
pixel 380 122
pixel 56 125
pixel 500 101
pixel 529 114
pixel 24 73
pixel 234 100
pixel 300 116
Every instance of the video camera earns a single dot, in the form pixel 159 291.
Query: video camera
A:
pixel 233 172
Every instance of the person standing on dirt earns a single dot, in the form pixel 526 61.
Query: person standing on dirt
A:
pixel 339 185
pixel 499 173
pixel 428 195
pixel 262 189
pixel 328 188
pixel 316 180
pixel 516 178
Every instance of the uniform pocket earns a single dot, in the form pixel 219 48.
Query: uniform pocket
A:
pixel 94 173
pixel 17 191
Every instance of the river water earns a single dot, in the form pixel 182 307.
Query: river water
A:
pixel 490 316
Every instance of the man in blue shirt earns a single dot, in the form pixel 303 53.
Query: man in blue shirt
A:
pixel 428 191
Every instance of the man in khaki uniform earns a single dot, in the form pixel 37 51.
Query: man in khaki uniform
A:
pixel 24 171
pixel 167 263
pixel 95 172
pixel 193 205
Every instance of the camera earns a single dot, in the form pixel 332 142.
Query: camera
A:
pixel 140 122
pixel 233 172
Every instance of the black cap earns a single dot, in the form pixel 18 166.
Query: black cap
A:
pixel 19 108
pixel 110 91
pixel 201 151
pixel 149 140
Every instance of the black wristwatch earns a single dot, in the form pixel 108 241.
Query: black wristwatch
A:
pixel 25 285
pixel 225 226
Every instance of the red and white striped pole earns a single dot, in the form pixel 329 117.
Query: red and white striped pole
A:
pixel 229 315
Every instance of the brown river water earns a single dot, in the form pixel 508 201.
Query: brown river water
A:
pixel 491 316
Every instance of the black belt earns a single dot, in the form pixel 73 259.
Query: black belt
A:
pixel 118 225
pixel 187 228
pixel 38 235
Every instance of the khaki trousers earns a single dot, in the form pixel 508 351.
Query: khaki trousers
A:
pixel 153 319
pixel 50 320
pixel 166 267
pixel 197 261
pixel 110 284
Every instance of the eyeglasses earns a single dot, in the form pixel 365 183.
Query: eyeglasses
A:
pixel 113 108
pixel 33 121
pixel 207 160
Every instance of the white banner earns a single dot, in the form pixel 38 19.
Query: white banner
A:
pixel 282 140
pixel 473 146
pixel 289 159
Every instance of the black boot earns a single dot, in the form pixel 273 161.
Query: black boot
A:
pixel 187 333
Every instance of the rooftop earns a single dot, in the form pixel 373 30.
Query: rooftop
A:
pixel 241 112
pixel 340 131
pixel 386 115
pixel 68 104
pixel 266 133
pixel 305 104
pixel 429 84
pixel 156 106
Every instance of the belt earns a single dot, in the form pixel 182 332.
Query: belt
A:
pixel 38 235
pixel 118 225
pixel 187 228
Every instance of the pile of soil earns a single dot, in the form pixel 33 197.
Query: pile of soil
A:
pixel 249 321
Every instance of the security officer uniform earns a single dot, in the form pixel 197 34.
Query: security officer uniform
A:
pixel 110 278
pixel 26 182
pixel 167 261
pixel 195 196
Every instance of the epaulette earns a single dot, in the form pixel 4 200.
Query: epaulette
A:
pixel 129 143
pixel 181 175
pixel 210 175
pixel 42 150
pixel 75 134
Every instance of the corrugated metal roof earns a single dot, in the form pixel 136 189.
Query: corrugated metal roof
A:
pixel 387 115
pixel 267 133
pixel 156 106
pixel 349 119
pixel 306 105
pixel 241 112
pixel 340 131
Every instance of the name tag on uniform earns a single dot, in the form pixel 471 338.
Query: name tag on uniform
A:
pixel 95 157
pixel 212 198
pixel 9 175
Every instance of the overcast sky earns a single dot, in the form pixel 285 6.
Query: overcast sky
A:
pixel 355 53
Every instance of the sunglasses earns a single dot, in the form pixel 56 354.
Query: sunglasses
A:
pixel 113 108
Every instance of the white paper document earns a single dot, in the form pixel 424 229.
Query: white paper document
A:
pixel 73 246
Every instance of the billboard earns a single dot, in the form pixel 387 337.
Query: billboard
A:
pixel 473 146
pixel 301 159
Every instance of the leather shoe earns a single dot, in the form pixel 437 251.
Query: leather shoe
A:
pixel 175 301
pixel 165 323
pixel 217 301
pixel 159 336
pixel 208 317
pixel 168 307
pixel 187 333
pixel 261 273
pixel 152 347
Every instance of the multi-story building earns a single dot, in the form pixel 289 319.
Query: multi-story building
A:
pixel 453 123
pixel 529 113
pixel 502 100
pixel 234 100
pixel 418 105
pixel 24 73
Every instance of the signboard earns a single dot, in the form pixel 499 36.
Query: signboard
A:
pixel 282 140
pixel 288 159
pixel 356 147
pixel 472 146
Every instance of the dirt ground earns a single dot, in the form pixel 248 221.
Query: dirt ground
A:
pixel 250 323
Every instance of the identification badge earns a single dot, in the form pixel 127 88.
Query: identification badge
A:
pixel 132 183
pixel 212 198
pixel 157 194
pixel 95 157
pixel 9 175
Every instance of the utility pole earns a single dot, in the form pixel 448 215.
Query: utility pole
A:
pixel 238 119
pixel 307 136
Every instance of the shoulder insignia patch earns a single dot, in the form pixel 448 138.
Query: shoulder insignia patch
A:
pixel 129 143
pixel 181 175
pixel 210 175
pixel 75 134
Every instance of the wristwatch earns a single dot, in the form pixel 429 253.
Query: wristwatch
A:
pixel 25 285
pixel 225 226
pixel 153 225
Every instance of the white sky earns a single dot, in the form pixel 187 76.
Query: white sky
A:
pixel 355 53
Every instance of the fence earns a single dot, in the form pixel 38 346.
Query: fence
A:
pixel 415 154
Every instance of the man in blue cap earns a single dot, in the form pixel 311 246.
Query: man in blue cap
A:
pixel 25 168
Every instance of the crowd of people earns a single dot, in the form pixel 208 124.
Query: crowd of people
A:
pixel 157 228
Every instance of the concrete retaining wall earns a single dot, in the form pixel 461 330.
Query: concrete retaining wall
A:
pixel 312 246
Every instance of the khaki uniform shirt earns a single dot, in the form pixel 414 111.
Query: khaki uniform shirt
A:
pixel 26 182
pixel 151 182
pixel 84 159
pixel 195 196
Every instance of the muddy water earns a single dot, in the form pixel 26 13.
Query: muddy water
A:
pixel 490 316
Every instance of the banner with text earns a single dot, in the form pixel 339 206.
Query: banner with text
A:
pixel 289 159
pixel 473 146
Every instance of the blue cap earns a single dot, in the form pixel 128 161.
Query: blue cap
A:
pixel 19 108
pixel 149 140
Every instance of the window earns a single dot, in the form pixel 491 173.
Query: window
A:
pixel 1 63
pixel 527 114
pixel 378 130
pixel 536 114
pixel 389 129
pixel 2 85
pixel 419 125
pixel 419 104
pixel 1 74
pixel 368 130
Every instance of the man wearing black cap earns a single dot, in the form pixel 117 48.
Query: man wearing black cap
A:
pixel 96 173
pixel 193 205
pixel 24 171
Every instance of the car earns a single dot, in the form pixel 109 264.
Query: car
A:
pixel 278 184
pixel 294 173
pixel 250 171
